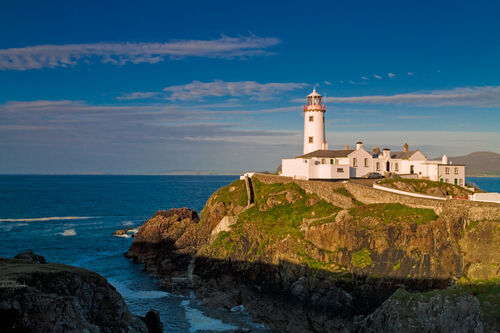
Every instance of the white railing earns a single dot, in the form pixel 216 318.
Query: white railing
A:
pixel 411 194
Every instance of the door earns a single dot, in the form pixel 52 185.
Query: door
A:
pixel 388 166
pixel 412 171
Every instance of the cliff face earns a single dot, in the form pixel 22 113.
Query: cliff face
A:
pixel 301 263
pixel 46 297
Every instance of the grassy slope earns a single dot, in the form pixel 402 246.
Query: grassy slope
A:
pixel 274 219
pixel 271 222
pixel 425 186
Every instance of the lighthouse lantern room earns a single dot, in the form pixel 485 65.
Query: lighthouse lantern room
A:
pixel 314 124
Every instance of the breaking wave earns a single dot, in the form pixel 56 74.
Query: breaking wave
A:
pixel 53 218
pixel 69 232
pixel 126 292
pixel 199 321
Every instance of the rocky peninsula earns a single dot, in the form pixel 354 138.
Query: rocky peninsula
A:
pixel 306 256
pixel 36 296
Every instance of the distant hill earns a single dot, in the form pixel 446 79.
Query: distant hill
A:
pixel 480 163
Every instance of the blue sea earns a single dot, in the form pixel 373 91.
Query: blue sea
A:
pixel 70 219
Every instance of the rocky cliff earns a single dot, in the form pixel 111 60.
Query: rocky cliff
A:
pixel 329 262
pixel 36 296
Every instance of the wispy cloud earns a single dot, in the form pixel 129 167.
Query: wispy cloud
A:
pixel 411 73
pixel 486 96
pixel 51 56
pixel 364 78
pixel 377 76
pixel 391 75
pixel 197 90
pixel 328 83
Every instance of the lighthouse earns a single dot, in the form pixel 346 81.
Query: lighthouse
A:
pixel 314 124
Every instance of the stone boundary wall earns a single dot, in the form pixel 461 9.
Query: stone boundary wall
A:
pixel 324 190
pixel 472 210
pixel 416 195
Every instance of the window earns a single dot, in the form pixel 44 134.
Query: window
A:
pixel 396 166
pixel 310 139
pixel 323 161
pixel 311 118
pixel 378 166
pixel 456 171
pixel 447 171
pixel 461 182
pixel 340 169
pixel 366 163
pixel 331 161
pixel 354 162
pixel 441 180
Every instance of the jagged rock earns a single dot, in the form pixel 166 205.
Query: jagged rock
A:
pixel 153 322
pixel 36 297
pixel 298 262
pixel 426 312
pixel 30 256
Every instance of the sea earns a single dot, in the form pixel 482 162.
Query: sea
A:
pixel 70 220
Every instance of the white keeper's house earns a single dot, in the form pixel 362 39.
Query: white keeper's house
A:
pixel 318 162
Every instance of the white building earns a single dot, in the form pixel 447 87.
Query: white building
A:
pixel 317 162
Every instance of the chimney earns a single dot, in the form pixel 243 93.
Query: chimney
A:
pixel 387 152
pixel 359 145
pixel 376 150
pixel 346 147
pixel 405 147
pixel 444 160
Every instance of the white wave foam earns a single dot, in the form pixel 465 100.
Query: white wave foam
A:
pixel 123 236
pixel 53 218
pixel 132 231
pixel 127 223
pixel 198 321
pixel 69 232
pixel 126 292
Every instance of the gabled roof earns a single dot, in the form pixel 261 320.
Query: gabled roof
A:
pixel 327 153
pixel 403 154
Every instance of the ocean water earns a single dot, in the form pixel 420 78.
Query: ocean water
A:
pixel 488 184
pixel 70 219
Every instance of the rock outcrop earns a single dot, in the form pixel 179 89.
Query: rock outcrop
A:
pixel 299 262
pixel 36 296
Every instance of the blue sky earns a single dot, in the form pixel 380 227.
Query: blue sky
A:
pixel 151 87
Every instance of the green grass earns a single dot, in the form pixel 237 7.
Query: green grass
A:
pixel 274 223
pixel 472 225
pixel 394 213
pixel 237 196
pixel 362 258
pixel 423 185
pixel 486 291
pixel 224 242
pixel 345 192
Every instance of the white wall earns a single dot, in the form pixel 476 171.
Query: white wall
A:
pixel 455 175
pixel 317 170
pixel 314 129
pixel 360 170
pixel 295 168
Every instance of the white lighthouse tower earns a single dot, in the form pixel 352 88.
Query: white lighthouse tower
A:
pixel 314 123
